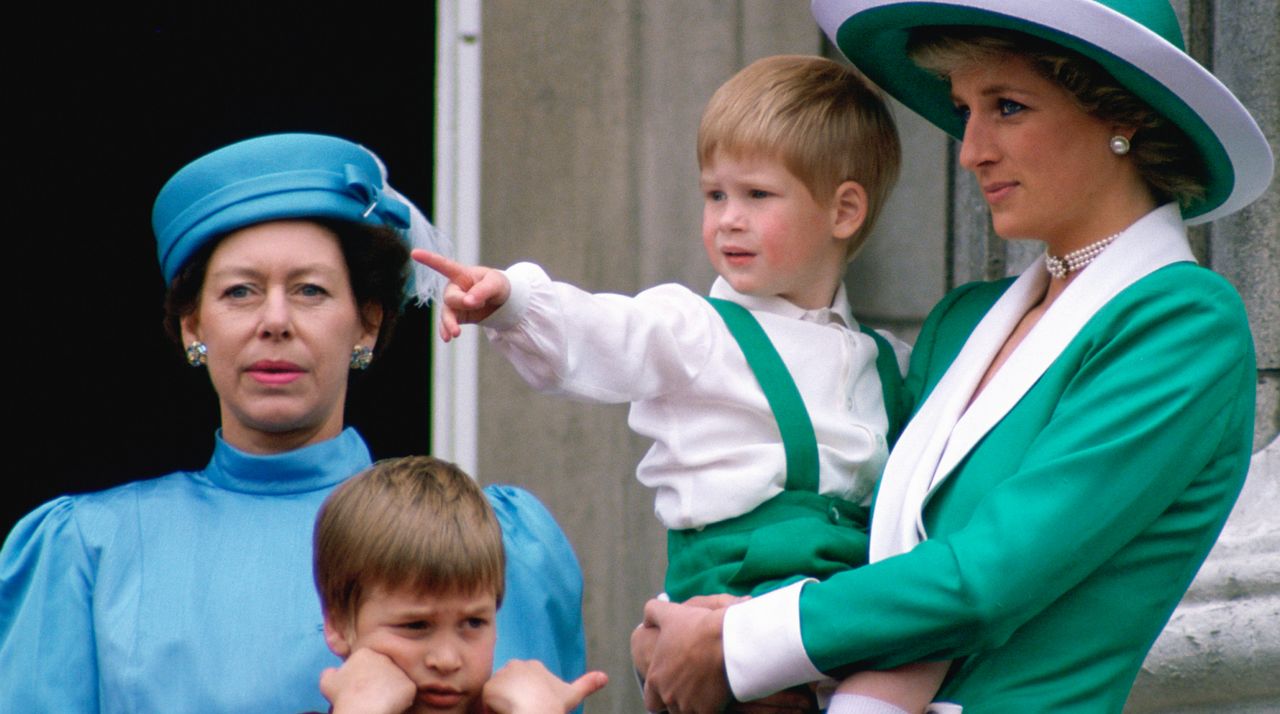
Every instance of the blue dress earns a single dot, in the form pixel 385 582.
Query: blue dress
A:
pixel 193 592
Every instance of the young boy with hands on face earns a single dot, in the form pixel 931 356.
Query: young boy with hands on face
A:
pixel 797 157
pixel 409 568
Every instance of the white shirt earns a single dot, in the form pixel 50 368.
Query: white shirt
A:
pixel 717 452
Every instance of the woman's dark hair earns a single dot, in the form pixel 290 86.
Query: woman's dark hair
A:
pixel 1163 154
pixel 377 263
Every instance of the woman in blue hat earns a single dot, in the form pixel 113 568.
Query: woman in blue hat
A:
pixel 287 263
pixel 1080 432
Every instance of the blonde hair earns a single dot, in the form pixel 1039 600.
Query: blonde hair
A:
pixel 415 522
pixel 1164 156
pixel 822 120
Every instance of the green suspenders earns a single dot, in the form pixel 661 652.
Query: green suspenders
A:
pixel 891 386
pixel 798 439
pixel 784 398
pixel 797 533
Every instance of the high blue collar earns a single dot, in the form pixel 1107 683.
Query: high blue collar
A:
pixel 310 468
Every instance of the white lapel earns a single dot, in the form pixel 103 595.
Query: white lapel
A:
pixel 943 431
pixel 914 459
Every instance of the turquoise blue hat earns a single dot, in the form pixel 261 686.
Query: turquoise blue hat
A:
pixel 277 177
pixel 1137 41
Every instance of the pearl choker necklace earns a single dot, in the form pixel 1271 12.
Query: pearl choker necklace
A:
pixel 1076 259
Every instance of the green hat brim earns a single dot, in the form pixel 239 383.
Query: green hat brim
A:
pixel 1148 62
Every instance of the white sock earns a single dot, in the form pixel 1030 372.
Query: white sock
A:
pixel 843 703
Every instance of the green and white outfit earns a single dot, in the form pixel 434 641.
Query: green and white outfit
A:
pixel 1064 511
pixel 717 455
pixel 1040 534
pixel 798 533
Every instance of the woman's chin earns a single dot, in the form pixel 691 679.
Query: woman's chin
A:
pixel 279 429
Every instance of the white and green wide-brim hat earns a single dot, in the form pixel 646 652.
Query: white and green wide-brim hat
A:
pixel 1137 41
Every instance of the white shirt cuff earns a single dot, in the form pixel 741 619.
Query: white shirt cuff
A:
pixel 521 277
pixel 763 651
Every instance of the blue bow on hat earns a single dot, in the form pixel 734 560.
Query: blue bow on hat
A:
pixel 389 210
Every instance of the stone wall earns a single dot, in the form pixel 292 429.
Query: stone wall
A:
pixel 1221 651
pixel 589 116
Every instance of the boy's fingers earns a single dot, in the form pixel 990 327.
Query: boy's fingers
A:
pixel 437 262
pixel 586 685
pixel 491 285
pixel 449 327
pixel 454 295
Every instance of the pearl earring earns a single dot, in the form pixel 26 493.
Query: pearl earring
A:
pixel 1119 145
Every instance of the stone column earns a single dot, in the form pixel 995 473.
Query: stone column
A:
pixel 1221 650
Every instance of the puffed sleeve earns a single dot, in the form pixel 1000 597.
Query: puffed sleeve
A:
pixel 541 613
pixel 48 661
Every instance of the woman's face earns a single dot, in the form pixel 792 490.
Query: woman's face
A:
pixel 279 318
pixel 1044 166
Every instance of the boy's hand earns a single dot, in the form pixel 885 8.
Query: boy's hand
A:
pixel 526 687
pixel 474 292
pixel 367 683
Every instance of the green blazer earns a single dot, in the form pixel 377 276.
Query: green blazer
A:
pixel 1064 532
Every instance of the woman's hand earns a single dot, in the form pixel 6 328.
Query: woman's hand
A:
pixel 680 648
pixel 367 683
pixel 526 687
pixel 474 292
pixel 645 636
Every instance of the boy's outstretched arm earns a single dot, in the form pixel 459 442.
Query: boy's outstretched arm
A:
pixel 526 687
pixel 474 292
pixel 367 683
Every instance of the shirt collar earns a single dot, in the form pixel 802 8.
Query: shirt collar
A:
pixel 838 313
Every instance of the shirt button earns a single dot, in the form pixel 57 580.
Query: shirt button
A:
pixel 834 514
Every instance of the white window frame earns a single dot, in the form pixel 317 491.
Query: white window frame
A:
pixel 454 375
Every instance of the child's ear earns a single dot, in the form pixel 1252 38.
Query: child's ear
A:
pixel 335 635
pixel 848 209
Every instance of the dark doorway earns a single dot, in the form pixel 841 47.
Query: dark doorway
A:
pixel 111 98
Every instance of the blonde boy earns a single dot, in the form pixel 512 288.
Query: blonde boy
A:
pixel 408 562
pixel 797 156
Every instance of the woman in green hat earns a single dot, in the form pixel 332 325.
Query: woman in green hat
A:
pixel 1080 432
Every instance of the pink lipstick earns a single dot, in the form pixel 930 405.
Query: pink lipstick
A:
pixel 274 372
